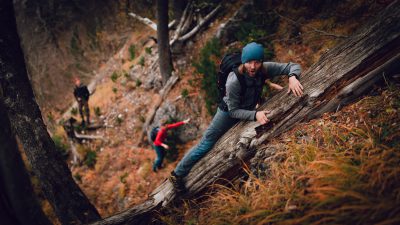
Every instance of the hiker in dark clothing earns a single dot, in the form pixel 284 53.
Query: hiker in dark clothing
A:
pixel 236 106
pixel 160 146
pixel 82 94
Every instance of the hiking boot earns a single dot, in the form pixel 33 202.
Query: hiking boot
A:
pixel 177 182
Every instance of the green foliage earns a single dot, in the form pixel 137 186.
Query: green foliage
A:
pixel 50 118
pixel 138 82
pixel 185 93
pixel 97 111
pixel 74 111
pixel 123 177
pixel 114 76
pixel 126 74
pixel 191 82
pixel 114 89
pixel 60 145
pixel 148 50
pixel 255 29
pixel 141 61
pixel 78 177
pixel 90 159
pixel 132 51
pixel 206 66
pixel 172 140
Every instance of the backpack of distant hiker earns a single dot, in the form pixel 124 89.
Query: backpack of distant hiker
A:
pixel 153 133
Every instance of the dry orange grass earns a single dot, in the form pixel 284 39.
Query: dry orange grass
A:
pixel 341 169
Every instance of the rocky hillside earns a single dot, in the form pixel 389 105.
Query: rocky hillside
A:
pixel 66 39
pixel 115 170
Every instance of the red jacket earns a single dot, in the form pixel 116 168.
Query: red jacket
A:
pixel 162 133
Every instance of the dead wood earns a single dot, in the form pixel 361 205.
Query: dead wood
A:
pixel 339 77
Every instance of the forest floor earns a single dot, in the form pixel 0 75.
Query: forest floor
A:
pixel 116 172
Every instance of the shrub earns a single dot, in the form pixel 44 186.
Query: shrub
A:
pixel 132 51
pixel 126 74
pixel 141 61
pixel 148 50
pixel 185 93
pixel 254 29
pixel 60 145
pixel 123 177
pixel 78 177
pixel 90 158
pixel 74 111
pixel 206 66
pixel 97 111
pixel 114 76
pixel 114 89
pixel 138 82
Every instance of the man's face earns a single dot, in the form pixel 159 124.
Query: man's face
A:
pixel 252 67
pixel 77 82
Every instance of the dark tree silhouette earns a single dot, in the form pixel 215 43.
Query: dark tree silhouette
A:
pixel 69 203
pixel 164 51
pixel 15 185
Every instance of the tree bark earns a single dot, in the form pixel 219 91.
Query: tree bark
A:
pixel 164 51
pixel 69 203
pixel 342 74
pixel 18 198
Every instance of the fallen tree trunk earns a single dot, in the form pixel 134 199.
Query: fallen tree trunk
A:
pixel 341 75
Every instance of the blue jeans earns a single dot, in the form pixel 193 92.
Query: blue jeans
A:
pixel 220 124
pixel 160 151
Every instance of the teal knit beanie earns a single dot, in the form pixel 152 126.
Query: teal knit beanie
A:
pixel 252 51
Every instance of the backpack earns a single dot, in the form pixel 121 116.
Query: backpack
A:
pixel 153 133
pixel 230 62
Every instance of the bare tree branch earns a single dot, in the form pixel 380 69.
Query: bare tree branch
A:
pixel 150 23
pixel 197 28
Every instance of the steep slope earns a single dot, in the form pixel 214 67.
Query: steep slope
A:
pixel 339 169
pixel 122 175
pixel 66 39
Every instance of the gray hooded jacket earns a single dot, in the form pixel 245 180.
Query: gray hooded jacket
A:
pixel 243 106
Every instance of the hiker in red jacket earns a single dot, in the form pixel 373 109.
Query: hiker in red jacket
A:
pixel 159 144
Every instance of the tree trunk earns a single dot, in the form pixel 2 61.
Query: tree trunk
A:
pixel 65 196
pixel 15 183
pixel 342 74
pixel 164 51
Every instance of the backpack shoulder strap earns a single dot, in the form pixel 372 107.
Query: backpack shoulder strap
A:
pixel 241 80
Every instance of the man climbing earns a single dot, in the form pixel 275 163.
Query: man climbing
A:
pixel 159 145
pixel 237 105
pixel 82 94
